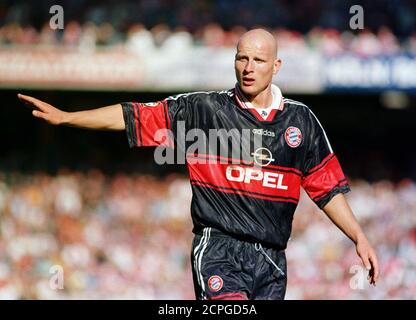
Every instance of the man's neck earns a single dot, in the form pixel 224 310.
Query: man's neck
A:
pixel 263 100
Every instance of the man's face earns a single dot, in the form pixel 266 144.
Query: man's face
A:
pixel 255 64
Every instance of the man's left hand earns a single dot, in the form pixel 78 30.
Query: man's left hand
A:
pixel 369 259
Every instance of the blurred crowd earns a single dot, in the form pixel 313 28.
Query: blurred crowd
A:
pixel 129 237
pixel 119 237
pixel 323 263
pixel 143 26
pixel 89 37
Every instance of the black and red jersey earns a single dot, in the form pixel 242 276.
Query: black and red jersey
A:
pixel 252 197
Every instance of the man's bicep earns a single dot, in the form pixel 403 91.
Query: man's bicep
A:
pixel 115 117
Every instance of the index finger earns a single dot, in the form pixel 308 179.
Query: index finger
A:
pixel 374 263
pixel 27 98
pixel 30 101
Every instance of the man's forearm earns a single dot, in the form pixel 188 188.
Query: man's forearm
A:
pixel 105 118
pixel 342 216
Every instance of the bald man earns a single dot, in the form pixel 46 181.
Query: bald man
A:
pixel 255 64
pixel 242 207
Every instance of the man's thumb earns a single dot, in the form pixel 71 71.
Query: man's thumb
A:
pixel 37 114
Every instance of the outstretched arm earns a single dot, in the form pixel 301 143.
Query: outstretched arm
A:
pixel 342 216
pixel 105 118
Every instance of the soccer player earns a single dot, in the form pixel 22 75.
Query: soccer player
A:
pixel 242 210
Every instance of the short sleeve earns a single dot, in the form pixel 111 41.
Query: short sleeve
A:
pixel 151 124
pixel 322 175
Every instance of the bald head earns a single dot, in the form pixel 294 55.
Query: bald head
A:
pixel 255 64
pixel 261 39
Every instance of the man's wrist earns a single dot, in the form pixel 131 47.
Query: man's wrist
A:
pixel 359 237
pixel 66 118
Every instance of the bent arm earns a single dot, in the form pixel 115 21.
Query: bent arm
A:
pixel 105 118
pixel 340 213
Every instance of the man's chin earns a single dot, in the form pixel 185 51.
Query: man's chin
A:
pixel 248 91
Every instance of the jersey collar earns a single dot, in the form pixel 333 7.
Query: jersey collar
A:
pixel 277 104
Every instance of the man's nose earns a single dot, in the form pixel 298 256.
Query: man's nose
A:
pixel 249 67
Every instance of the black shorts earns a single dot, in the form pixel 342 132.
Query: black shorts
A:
pixel 225 268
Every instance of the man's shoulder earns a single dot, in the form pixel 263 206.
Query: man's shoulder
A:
pixel 293 104
pixel 301 111
pixel 297 107
pixel 203 95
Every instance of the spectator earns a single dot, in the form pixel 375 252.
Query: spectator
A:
pixel 111 243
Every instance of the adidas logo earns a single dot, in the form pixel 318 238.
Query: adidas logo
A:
pixel 264 132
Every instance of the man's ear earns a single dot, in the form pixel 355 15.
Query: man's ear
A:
pixel 276 65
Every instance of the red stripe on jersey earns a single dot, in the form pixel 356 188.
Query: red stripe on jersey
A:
pixel 152 118
pixel 256 182
pixel 323 162
pixel 136 121
pixel 324 178
pixel 230 296
pixel 256 114
pixel 271 115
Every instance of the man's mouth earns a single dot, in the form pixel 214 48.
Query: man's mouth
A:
pixel 248 81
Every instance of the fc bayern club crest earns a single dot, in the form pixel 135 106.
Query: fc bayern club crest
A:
pixel 293 137
pixel 215 283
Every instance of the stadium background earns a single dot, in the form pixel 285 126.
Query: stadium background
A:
pixel 119 224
